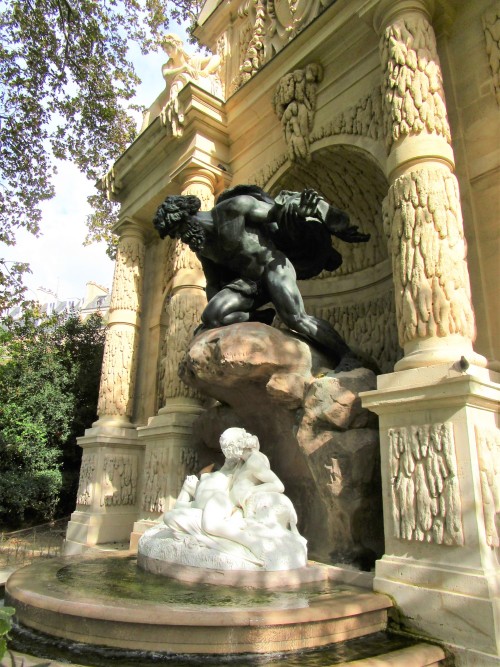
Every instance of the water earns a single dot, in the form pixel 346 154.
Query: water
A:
pixel 117 579
pixel 43 646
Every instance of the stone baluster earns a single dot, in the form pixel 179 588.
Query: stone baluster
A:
pixel 116 393
pixel 422 212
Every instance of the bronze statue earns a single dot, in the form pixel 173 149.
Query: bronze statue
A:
pixel 253 248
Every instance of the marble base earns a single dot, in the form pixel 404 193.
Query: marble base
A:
pixel 312 573
pixel 286 551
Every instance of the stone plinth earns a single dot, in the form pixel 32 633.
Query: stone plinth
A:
pixel 108 496
pixel 320 441
pixel 440 450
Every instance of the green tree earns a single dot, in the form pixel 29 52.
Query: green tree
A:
pixel 65 82
pixel 49 379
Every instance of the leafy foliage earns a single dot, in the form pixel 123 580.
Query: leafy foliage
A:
pixel 49 378
pixel 6 614
pixel 65 82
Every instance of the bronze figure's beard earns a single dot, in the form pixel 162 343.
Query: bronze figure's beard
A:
pixel 193 235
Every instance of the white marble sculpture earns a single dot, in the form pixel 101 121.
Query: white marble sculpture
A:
pixel 182 67
pixel 237 518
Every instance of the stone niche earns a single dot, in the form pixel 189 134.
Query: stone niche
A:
pixel 310 423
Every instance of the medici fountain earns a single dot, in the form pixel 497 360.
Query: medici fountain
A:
pixel 298 442
pixel 225 572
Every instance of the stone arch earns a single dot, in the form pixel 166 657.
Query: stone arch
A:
pixel 358 298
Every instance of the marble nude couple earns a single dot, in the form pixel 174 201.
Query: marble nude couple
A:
pixel 239 511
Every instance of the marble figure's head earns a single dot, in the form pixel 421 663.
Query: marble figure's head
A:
pixel 172 45
pixel 234 441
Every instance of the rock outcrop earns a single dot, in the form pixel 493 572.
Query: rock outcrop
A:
pixel 321 442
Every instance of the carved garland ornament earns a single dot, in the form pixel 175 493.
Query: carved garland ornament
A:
pixel 266 27
pixel 488 450
pixel 426 504
pixel 423 223
pixel 413 85
pixel 295 105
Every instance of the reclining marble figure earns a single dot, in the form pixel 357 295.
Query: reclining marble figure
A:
pixel 237 518
pixel 253 248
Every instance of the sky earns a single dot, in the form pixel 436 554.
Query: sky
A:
pixel 57 258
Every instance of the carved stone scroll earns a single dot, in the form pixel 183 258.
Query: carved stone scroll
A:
pixel 412 86
pixel 87 479
pixel 423 223
pixel 119 484
pixel 491 26
pixel 488 450
pixel 426 505
pixel 295 105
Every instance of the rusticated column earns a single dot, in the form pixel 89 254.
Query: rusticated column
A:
pixel 118 373
pixel 170 454
pixel 186 300
pixel 422 213
pixel 437 418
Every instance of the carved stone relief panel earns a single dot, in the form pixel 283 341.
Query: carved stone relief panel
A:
pixel 119 484
pixel 365 118
pixel 412 86
pixel 491 27
pixel 423 223
pixel 368 325
pixel 488 450
pixel 162 480
pixel 426 505
pixel 295 105
pixel 87 479
pixel 155 480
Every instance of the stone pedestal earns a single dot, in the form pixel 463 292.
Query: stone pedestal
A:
pixel 440 460
pixel 108 490
pixel 169 456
